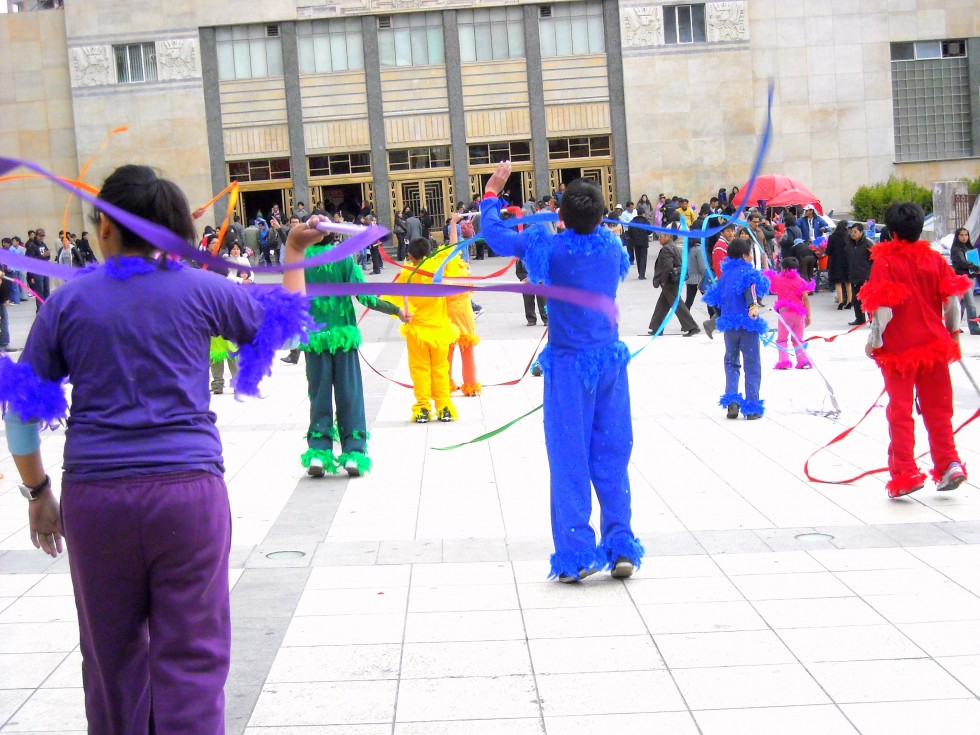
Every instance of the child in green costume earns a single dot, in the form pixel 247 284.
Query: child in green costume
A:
pixel 334 373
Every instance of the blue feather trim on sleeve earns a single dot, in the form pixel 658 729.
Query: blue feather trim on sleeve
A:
pixel 285 316
pixel 29 396
pixel 712 297
pixel 537 254
pixel 729 322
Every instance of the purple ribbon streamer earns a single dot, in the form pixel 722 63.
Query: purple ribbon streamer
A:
pixel 169 241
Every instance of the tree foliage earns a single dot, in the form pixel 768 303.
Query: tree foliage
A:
pixel 871 201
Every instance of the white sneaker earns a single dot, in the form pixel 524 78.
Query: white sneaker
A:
pixel 316 468
pixel 953 477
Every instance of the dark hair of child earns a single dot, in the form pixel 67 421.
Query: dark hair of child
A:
pixel 789 220
pixel 905 220
pixel 418 248
pixel 789 264
pixel 138 190
pixel 738 248
pixel 581 206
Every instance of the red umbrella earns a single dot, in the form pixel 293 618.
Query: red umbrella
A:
pixel 794 196
pixel 769 186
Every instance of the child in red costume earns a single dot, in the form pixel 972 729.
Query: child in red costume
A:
pixel 913 298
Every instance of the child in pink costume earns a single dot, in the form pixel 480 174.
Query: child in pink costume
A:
pixel 793 306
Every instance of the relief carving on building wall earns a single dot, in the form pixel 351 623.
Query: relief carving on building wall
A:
pixel 321 8
pixel 177 59
pixel 643 25
pixel 727 21
pixel 92 66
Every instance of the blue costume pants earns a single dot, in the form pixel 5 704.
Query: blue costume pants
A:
pixel 740 343
pixel 589 437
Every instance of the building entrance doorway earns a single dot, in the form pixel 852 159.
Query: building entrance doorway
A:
pixel 253 202
pixel 601 175
pixel 518 189
pixel 346 198
pixel 432 195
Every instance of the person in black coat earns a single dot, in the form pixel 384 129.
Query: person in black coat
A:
pixel 963 267
pixel 837 265
pixel 858 266
pixel 639 240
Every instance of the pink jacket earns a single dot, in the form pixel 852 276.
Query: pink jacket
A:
pixel 789 288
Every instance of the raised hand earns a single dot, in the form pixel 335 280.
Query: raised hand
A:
pixel 499 179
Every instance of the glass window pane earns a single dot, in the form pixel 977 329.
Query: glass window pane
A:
pixel 355 51
pixel 222 34
pixel 122 64
pixel 304 49
pixel 239 33
pixel 226 61
pixel 684 34
pixel 258 59
pixel 597 38
pixel 150 61
pixel 467 43
pixel 243 69
pixel 563 38
pixel 670 25
pixel 386 48
pixel 420 53
pixel 274 57
pixel 498 14
pixel 135 63
pixel 697 20
pixel 515 35
pixel 321 53
pixel 580 35
pixel 928 49
pixel 338 52
pixel 464 16
pixel 403 47
pixel 546 33
pixel 484 44
pixel 437 54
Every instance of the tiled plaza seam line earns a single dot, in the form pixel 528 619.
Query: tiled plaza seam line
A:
pixel 401 651
pixel 793 653
pixel 527 645
pixel 341 489
pixel 23 704
pixel 656 646
pixel 902 632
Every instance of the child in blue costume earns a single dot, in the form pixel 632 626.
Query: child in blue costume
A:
pixel 587 425
pixel 736 294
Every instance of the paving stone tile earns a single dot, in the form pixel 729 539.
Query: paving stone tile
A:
pixel 471 698
pixel 346 553
pixel 379 577
pixel 335 663
pixel 525 726
pixel 737 541
pixel 608 693
pixel 50 710
pixel 493 625
pixel 949 717
pixel 410 552
pixel 475 550
pixel 813 720
pixel 702 589
pixel 946 638
pixel 462 598
pixel 27 670
pixel 850 643
pixel 465 659
pixel 325 703
pixel 740 648
pixel 353 601
pixel 791 586
pixel 875 681
pixel 701 617
pixel 675 723
pixel 583 622
pixel 597 593
pixel 923 534
pixel 816 613
pixel 734 687
pixel 462 574
pixel 590 655
pixel 341 630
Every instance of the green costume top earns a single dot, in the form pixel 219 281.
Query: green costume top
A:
pixel 336 323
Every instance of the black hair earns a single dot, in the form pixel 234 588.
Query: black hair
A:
pixel 789 264
pixel 418 248
pixel 905 220
pixel 6 239
pixel 630 204
pixel 581 206
pixel 138 190
pixel 705 210
pixel 738 248
pixel 969 238
pixel 729 225
pixel 789 220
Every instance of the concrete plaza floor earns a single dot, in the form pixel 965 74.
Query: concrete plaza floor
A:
pixel 420 604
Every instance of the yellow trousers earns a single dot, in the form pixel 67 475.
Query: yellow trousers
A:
pixel 430 374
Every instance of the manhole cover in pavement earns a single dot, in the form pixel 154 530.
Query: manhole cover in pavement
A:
pixel 280 555
pixel 814 537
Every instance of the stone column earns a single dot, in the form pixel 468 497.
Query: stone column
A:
pixel 942 206
pixel 212 114
pixel 376 121
pixel 294 115
pixel 535 95
pixel 617 100
pixel 457 115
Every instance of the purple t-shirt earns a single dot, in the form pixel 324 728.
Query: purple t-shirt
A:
pixel 136 351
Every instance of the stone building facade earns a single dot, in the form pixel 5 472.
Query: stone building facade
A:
pixel 411 102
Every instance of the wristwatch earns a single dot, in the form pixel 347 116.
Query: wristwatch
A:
pixel 32 493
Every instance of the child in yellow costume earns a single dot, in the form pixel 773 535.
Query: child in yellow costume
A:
pixel 428 337
pixel 460 309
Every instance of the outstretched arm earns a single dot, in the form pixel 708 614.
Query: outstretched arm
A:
pixel 501 238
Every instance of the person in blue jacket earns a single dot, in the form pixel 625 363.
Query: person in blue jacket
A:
pixel 587 425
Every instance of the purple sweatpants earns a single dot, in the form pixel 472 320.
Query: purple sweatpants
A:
pixel 149 564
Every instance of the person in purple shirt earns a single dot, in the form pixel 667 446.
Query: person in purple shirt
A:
pixel 143 497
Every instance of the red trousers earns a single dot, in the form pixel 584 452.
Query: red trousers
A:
pixel 932 385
